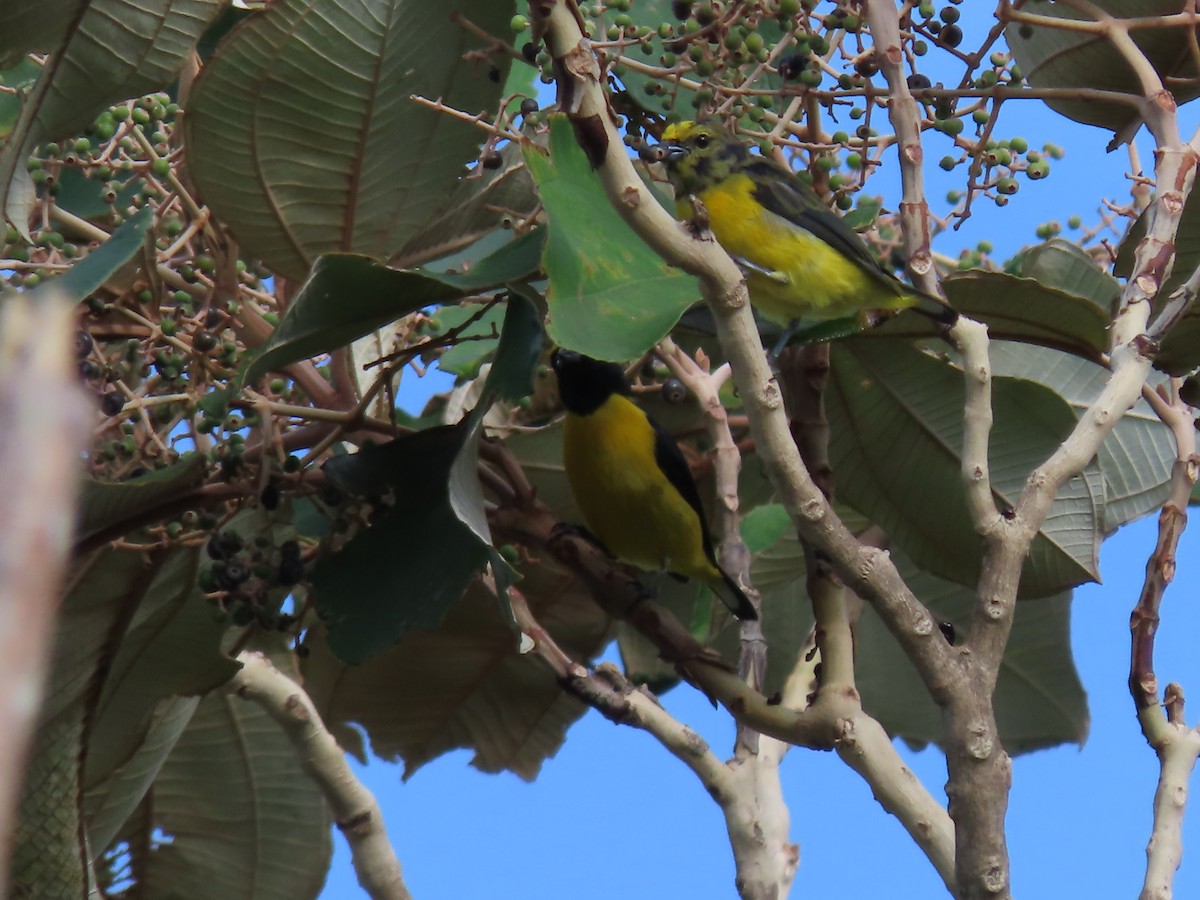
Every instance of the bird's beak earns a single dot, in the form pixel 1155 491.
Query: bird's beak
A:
pixel 672 152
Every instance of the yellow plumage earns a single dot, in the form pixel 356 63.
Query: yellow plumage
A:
pixel 801 259
pixel 631 481
pixel 625 498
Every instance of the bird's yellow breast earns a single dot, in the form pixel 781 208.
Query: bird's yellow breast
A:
pixel 820 281
pixel 625 499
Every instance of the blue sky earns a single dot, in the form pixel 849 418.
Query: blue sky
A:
pixel 614 815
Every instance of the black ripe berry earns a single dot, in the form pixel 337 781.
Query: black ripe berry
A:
pixel 918 82
pixel 83 344
pixel 530 52
pixel 528 105
pixel 674 391
pixel 494 74
pixel 203 341
pixel 491 160
pixel 270 497
pixel 290 572
pixel 792 65
pixel 111 403
pixel 950 36
pixel 233 575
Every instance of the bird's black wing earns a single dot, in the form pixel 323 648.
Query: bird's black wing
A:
pixel 779 191
pixel 671 461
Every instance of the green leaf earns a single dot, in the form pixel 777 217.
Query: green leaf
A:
pixel 520 347
pixel 610 295
pixel 103 503
pixel 302 136
pixel 172 646
pixel 405 571
pixel 109 805
pixel 1137 456
pixel 83 196
pixel 237 815
pixel 896 419
pixel 1065 266
pixel 465 685
pixel 1022 309
pixel 764 525
pixel 1179 353
pixel 18 79
pixel 90 273
pixel 1039 699
pixel 348 296
pixel 482 200
pixel 464 359
pixel 1061 58
pixel 35 25
pixel 106 51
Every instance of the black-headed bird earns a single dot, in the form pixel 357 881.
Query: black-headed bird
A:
pixel 631 481
pixel 802 261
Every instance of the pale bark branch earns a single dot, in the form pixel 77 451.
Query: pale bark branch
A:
pixel 355 810
pixel 45 424
pixel 1176 745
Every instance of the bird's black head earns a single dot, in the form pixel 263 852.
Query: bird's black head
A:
pixel 585 383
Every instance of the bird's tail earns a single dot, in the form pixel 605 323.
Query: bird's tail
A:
pixel 732 596
pixel 934 308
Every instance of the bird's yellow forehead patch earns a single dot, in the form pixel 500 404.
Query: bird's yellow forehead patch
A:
pixel 680 131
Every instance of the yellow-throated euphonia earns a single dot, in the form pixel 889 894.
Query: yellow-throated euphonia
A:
pixel 802 260
pixel 631 481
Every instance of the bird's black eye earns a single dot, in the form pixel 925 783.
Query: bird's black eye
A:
pixel 702 141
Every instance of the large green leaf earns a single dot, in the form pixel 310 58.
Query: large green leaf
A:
pixel 896 418
pixel 347 296
pixel 103 504
pixel 35 25
pixel 171 647
pixel 109 50
pixel 108 805
pixel 610 295
pixel 233 813
pixel 480 202
pixel 1022 309
pixel 302 136
pixel 16 80
pixel 1039 699
pixel 1135 459
pixel 1180 350
pixel 466 684
pixel 1061 58
pixel 405 571
pixel 1065 266
pixel 99 265
pixel 1179 353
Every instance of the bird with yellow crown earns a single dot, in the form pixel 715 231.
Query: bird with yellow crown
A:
pixel 802 261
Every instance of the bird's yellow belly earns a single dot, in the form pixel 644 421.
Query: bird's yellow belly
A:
pixel 625 499
pixel 820 282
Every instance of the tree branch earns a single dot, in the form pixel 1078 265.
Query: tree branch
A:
pixel 45 429
pixel 354 808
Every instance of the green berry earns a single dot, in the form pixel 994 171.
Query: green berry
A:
pixel 518 23
pixel 1038 170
